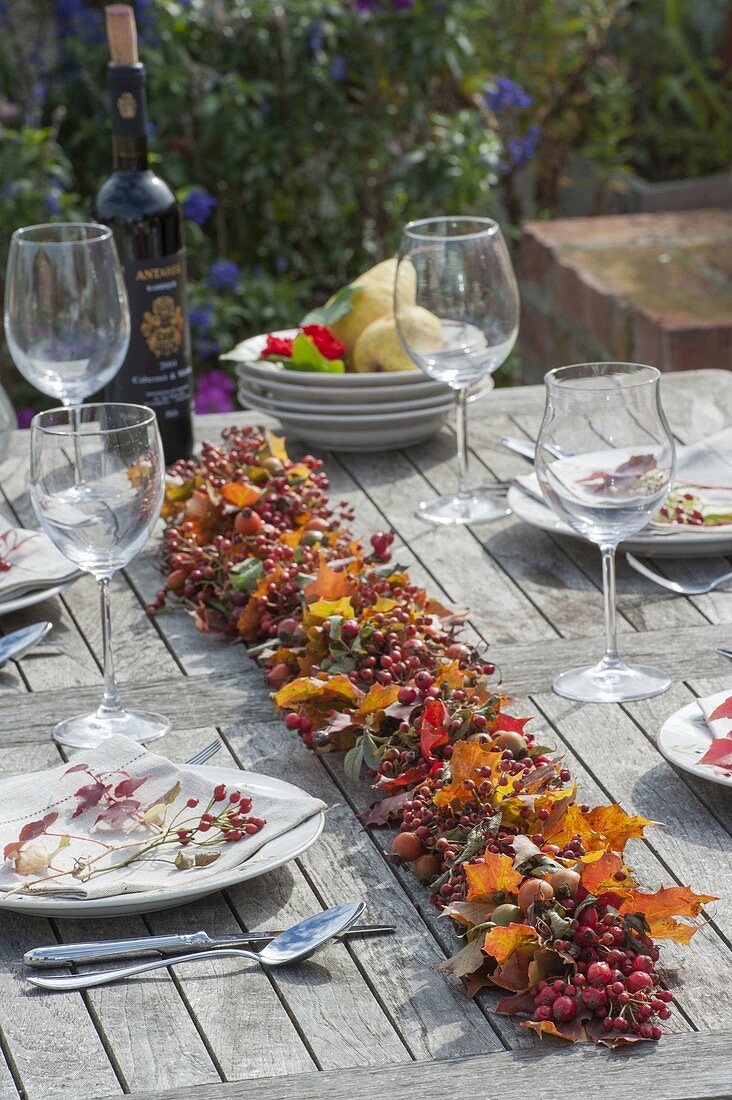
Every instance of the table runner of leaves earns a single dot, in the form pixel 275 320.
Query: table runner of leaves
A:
pixel 364 662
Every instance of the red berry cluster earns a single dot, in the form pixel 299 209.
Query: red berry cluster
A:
pixel 227 812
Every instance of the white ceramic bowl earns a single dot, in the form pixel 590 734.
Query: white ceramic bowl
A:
pixel 246 355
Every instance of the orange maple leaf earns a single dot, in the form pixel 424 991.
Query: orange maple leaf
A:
pixel 661 908
pixel 451 675
pixel 466 758
pixel 615 825
pixel 495 876
pixel 239 494
pixel 599 871
pixel 328 585
pixel 501 942
pixel 378 697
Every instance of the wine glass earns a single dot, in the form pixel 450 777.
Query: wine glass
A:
pixel 605 460
pixel 456 308
pixel 67 322
pixel 97 485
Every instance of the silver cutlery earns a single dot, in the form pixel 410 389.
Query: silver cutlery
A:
pixel 13 646
pixel 724 652
pixel 523 447
pixel 64 954
pixel 296 943
pixel 205 753
pixel 699 589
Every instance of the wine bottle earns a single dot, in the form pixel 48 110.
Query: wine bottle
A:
pixel 148 229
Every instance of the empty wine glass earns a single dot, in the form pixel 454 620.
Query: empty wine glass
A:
pixel 97 486
pixel 605 460
pixel 456 307
pixel 67 322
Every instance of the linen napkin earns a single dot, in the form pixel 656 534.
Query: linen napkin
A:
pixel 703 474
pixel 151 788
pixel 35 562
pixel 717 711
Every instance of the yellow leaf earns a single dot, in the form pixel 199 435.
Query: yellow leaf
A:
pixel 379 697
pixel 239 494
pixel 276 444
pixel 323 609
pixel 616 826
pixel 467 757
pixel 599 870
pixel 308 689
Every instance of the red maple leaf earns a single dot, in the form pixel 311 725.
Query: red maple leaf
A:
pixel 433 729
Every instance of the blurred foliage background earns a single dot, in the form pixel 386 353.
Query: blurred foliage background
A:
pixel 301 134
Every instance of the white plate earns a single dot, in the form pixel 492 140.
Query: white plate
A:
pixel 257 395
pixel 273 854
pixel 38 595
pixel 273 386
pixel 375 433
pixel 682 545
pixel 684 738
pixel 248 353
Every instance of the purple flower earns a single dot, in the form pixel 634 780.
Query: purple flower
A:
pixel 224 275
pixel 265 108
pixel 315 37
pixel 215 392
pixel 198 205
pixel 402 5
pixel 521 149
pixel 205 349
pixel 506 95
pixel 25 415
pixel 337 68
pixel 201 317
pixel 52 201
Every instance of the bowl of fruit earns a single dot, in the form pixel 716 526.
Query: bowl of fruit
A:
pixel 342 379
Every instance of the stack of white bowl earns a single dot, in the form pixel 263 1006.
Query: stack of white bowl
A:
pixel 344 412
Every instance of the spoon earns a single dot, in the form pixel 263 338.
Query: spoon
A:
pixel 20 641
pixel 290 946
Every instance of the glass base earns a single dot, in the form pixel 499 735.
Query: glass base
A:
pixel 86 731
pixel 613 682
pixel 477 506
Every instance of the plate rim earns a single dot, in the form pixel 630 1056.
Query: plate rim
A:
pixel 129 904
pixel 7 607
pixel 704 772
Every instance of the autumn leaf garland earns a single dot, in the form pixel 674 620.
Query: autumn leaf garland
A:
pixel 364 662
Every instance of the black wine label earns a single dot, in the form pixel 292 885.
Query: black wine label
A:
pixel 128 102
pixel 157 371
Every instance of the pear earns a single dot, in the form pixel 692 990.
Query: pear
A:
pixel 379 348
pixel 374 299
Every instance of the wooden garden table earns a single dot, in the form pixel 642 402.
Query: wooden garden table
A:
pixel 376 1018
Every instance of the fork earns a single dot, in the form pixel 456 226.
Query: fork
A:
pixel 699 589
pixel 205 753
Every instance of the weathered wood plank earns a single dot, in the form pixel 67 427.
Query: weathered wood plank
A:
pixel 682 1067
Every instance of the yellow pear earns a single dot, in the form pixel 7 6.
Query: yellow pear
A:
pixel 379 348
pixel 374 299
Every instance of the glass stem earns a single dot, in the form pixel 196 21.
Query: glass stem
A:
pixel 462 441
pixel 110 699
pixel 608 592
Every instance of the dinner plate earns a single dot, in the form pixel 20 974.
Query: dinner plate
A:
pixel 422 388
pixel 684 738
pixel 37 595
pixel 273 854
pixel 682 545
pixel 258 394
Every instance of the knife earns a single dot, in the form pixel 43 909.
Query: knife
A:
pixel 523 447
pixel 60 954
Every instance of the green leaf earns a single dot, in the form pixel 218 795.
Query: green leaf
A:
pixel 245 575
pixel 353 760
pixel 370 750
pixel 306 357
pixel 339 305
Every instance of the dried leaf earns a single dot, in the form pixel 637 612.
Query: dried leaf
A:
pixel 89 796
pixel 116 812
pixel 170 796
pixel 323 609
pixel 387 808
pixel 598 873
pixel 467 960
pixel 616 826
pixel 128 786
pixel 205 859
pixel 377 698
pixel 494 877
pixel 719 753
pixel 503 940
pixel 469 913
pixel 724 710
pixel 433 727
pixel 36 828
pixel 659 910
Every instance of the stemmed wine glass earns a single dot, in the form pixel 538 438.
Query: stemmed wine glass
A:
pixel 67 321
pixel 605 460
pixel 457 270
pixel 97 486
